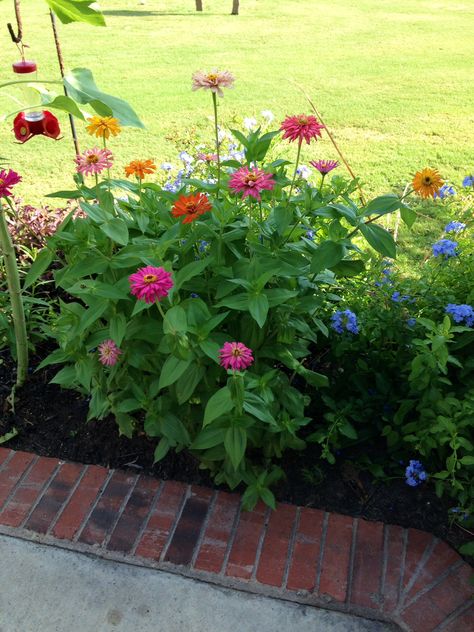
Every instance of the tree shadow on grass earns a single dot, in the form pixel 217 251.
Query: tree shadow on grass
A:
pixel 145 13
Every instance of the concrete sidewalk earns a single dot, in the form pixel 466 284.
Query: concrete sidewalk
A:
pixel 47 589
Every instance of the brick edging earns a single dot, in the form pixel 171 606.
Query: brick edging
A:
pixel 300 554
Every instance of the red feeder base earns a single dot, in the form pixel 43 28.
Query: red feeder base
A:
pixel 29 124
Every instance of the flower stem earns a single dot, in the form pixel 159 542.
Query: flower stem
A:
pixel 160 309
pixel 216 129
pixel 13 282
pixel 323 175
pixel 296 169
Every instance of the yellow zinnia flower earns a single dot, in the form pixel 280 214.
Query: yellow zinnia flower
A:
pixel 103 126
pixel 427 182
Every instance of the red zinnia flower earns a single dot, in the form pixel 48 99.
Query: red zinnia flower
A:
pixel 191 207
pixel 7 180
pixel 150 284
pixel 301 127
pixel 324 166
pixel 251 182
pixel 235 356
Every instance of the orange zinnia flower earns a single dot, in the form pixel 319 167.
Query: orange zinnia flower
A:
pixel 139 168
pixel 103 126
pixel 427 182
pixel 191 207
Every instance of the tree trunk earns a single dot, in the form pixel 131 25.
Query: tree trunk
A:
pixel 235 7
pixel 198 5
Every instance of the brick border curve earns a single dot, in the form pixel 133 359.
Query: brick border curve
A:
pixel 305 555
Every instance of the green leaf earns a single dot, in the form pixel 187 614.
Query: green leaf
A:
pixel 117 230
pixel 174 430
pixel 349 267
pixel 65 104
pixel 383 204
pixel 328 254
pixel 188 381
pixel 235 443
pixel 91 315
pixel 219 404
pixel 237 301
pixel 81 87
pixel 40 265
pixel 268 497
pixel 258 308
pixel 65 377
pixel 161 450
pixel 8 435
pixel 211 349
pixel 467 460
pixel 190 270
pixel 128 405
pixel 125 424
pixel 77 11
pixel 408 216
pixel 175 321
pixel 380 239
pixel 172 370
pixel 117 328
pixel 348 430
pixel 208 438
pixel 55 357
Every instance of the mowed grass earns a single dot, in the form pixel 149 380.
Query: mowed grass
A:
pixel 392 80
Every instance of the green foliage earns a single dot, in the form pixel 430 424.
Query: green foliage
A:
pixel 77 11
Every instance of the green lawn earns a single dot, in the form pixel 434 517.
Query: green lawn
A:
pixel 393 80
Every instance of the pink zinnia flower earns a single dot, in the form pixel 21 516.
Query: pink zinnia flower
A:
pixel 324 166
pixel 251 182
pixel 109 353
pixel 235 356
pixel 7 180
pixel 207 157
pixel 301 127
pixel 94 161
pixel 150 284
pixel 213 81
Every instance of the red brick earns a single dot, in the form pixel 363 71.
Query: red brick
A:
pixel 395 550
pixel 368 565
pixel 462 623
pixel 432 608
pixel 441 558
pixel 243 554
pixel 336 557
pixel 4 454
pixel 54 497
pixel 189 526
pixel 217 535
pixel 12 472
pixel 105 513
pixel 25 496
pixel 74 513
pixel 133 516
pixel 274 555
pixel 161 521
pixel 417 543
pixel 306 551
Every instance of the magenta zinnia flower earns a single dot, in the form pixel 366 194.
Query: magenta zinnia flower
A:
pixel 7 180
pixel 251 182
pixel 235 356
pixel 150 284
pixel 94 161
pixel 301 127
pixel 324 166
pixel 213 81
pixel 108 353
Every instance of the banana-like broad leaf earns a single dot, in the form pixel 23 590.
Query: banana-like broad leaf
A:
pixel 81 87
pixel 77 11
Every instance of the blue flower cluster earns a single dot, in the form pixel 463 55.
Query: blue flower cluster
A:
pixel 344 320
pixel 399 298
pixel 454 227
pixel 445 190
pixel 415 473
pixel 386 278
pixel 446 248
pixel 411 322
pixel 461 313
pixel 468 181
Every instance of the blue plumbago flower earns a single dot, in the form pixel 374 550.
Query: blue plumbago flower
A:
pixel 203 245
pixel 415 473
pixel 445 190
pixel 250 123
pixel 445 247
pixel 194 295
pixel 309 234
pixel 166 166
pixel 461 313
pixel 345 319
pixel 238 155
pixel 468 181
pixel 411 322
pixel 454 227
pixel 398 298
pixel 304 172
pixel 268 115
pixel 185 157
pixel 386 276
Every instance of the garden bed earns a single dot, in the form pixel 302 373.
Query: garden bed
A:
pixel 52 422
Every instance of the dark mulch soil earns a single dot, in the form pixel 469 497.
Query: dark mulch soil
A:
pixel 52 422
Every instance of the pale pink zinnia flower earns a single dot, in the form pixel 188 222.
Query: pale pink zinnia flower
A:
pixel 109 353
pixel 235 356
pixel 301 127
pixel 207 157
pixel 251 182
pixel 94 161
pixel 213 81
pixel 324 166
pixel 150 284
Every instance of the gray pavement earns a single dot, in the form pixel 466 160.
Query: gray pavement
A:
pixel 45 589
